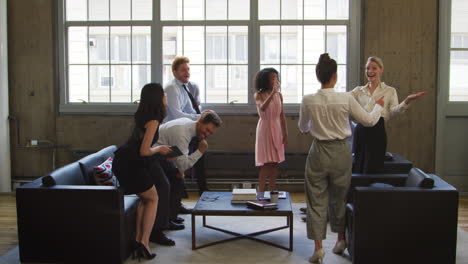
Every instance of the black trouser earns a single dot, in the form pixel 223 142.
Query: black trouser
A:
pixel 198 169
pixel 163 188
pixel 176 188
pixel 369 147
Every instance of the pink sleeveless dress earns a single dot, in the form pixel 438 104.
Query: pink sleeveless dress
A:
pixel 269 145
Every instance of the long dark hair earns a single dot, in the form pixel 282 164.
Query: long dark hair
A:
pixel 151 105
pixel 262 79
pixel 325 68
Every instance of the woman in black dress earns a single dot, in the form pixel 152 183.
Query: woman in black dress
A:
pixel 134 163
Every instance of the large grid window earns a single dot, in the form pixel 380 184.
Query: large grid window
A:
pixel 110 48
pixel 459 52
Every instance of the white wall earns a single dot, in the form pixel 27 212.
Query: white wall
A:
pixel 5 165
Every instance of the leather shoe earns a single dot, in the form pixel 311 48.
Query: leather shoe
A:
pixel 318 256
pixel 162 239
pixel 183 210
pixel 178 220
pixel 175 226
pixel 304 218
pixel 303 210
pixel 339 248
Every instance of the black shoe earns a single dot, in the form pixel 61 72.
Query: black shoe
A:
pixel 303 209
pixel 143 252
pixel 162 239
pixel 183 210
pixel 174 226
pixel 178 220
pixel 304 219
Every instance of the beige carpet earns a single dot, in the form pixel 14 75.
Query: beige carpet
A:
pixel 245 250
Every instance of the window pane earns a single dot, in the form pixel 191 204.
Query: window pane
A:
pixel 99 45
pixel 197 75
pixel 77 83
pixel 458 70
pixel 171 9
pixel 167 74
pixel 216 9
pixel 76 10
pixel 340 85
pixel 291 84
pixel 314 9
pixel 311 84
pixel 172 43
pixel 194 43
pixel 459 24
pixel 120 9
pixel 98 10
pixel 239 9
pixel 314 43
pixel 141 44
pixel 100 81
pixel 337 9
pixel 216 45
pixel 194 10
pixel 269 44
pixel 120 45
pixel 78 45
pixel 291 44
pixel 216 84
pixel 268 9
pixel 121 84
pixel 291 9
pixel 238 45
pixel 238 83
pixel 336 43
pixel 142 10
pixel 141 75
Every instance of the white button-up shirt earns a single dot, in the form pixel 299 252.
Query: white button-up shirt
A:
pixel 391 106
pixel 178 101
pixel 179 132
pixel 326 114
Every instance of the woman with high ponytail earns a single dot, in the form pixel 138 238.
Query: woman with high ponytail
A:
pixel 325 115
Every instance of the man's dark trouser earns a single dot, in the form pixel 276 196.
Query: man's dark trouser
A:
pixel 176 188
pixel 198 170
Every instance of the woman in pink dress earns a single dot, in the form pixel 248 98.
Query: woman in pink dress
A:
pixel 272 133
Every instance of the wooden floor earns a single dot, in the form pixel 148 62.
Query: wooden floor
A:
pixel 8 228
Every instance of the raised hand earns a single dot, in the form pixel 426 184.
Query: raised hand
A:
pixel 413 97
pixel 380 101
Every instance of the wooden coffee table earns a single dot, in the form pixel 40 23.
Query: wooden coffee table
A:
pixel 219 204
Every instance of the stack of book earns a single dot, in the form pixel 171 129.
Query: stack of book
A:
pixel 242 196
pixel 262 205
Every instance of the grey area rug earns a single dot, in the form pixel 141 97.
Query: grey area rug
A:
pixel 245 250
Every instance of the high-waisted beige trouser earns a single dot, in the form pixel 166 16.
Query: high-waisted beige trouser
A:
pixel 327 180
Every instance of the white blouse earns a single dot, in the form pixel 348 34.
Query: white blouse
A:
pixel 367 101
pixel 326 114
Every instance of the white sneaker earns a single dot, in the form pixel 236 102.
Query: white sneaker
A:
pixel 339 248
pixel 318 256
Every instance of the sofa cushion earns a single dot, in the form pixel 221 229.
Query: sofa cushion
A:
pixel 417 178
pixel 103 174
pixel 381 185
pixel 89 162
pixel 67 175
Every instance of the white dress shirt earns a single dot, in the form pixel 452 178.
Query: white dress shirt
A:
pixel 178 101
pixel 179 132
pixel 391 106
pixel 326 114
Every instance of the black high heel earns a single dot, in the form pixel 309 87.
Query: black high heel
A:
pixel 144 253
pixel 135 246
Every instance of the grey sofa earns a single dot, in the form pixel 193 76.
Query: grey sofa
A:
pixel 63 217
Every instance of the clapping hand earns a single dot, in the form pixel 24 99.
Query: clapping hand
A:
pixel 413 97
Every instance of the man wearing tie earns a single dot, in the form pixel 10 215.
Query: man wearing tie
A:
pixel 183 100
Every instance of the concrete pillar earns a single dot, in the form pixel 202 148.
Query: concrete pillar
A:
pixel 5 164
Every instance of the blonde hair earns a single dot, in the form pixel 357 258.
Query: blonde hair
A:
pixel 377 60
pixel 178 61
